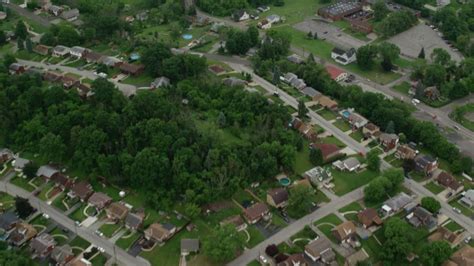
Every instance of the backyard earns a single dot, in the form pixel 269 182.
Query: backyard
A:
pixel 301 163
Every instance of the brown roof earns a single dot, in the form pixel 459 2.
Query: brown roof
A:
pixel 69 81
pixel 255 211
pixel 445 234
pixel 325 101
pixel 406 151
pixel 279 195
pixel 216 69
pixel 62 180
pixel 372 127
pixel 157 231
pixel 327 149
pixel 368 217
pixel 117 210
pixel 131 68
pixel 17 236
pixel 41 49
pixel 464 256
pixel 82 189
pixel 344 230
pixel 294 259
pixel 318 246
pixel 99 199
pixel 448 180
pixel 93 56
pixel 51 76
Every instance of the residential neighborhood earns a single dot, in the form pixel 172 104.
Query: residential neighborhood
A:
pixel 213 132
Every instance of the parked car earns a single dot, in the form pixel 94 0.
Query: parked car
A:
pixel 458 211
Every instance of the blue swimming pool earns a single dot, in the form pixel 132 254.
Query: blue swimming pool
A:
pixel 285 181
pixel 187 36
pixel 346 114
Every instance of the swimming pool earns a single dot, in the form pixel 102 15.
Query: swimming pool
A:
pixel 285 181
pixel 346 114
pixel 187 36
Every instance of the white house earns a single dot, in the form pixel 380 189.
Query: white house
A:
pixel 77 51
pixel 468 198
pixel 264 24
pixel 274 18
pixel 343 57
pixel 240 15
pixel 60 51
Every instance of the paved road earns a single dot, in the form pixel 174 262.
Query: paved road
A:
pixel 30 15
pixel 446 209
pixel 122 256
pixel 126 89
pixel 296 226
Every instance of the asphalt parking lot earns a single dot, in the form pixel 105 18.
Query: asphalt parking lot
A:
pixel 331 33
pixel 419 36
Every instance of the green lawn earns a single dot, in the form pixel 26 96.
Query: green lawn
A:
pixel 403 87
pixel 40 220
pixel 242 196
pixel 436 189
pixel 78 215
pixel 354 206
pixel 142 80
pixel 79 242
pixel 254 263
pixel 38 181
pixel 357 135
pixel 45 190
pixel 466 211
pixel 302 163
pixel 125 243
pixel 327 114
pixel 99 260
pixel 255 236
pixel 391 159
pixel 22 182
pixel 331 218
pixel 333 140
pixel 373 248
pixel 453 226
pixel 459 115
pixel 306 232
pixel 59 236
pixel 109 229
pixel 6 201
pixel 346 182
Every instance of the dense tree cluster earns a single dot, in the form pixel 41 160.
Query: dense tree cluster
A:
pixel 396 22
pixel 399 241
pixel 15 258
pixel 239 42
pixel 226 7
pixel 382 186
pixel 151 142
pixel 223 243
pixel 431 204
pixel 384 52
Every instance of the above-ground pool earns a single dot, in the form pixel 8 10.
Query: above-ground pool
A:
pixel 285 181
pixel 187 36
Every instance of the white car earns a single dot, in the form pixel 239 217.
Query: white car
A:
pixel 468 239
pixel 263 259
pixel 458 211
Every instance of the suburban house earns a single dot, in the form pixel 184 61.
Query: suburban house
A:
pixel 78 51
pixel 370 130
pixel 468 198
pixel 350 164
pixel 312 93
pixel 20 163
pixel 3 15
pixel 395 204
pixel 462 257
pixel 288 77
pixel 70 15
pixel 189 246
pixel 235 220
pixel 422 217
pixel 16 69
pixel 159 232
pixel 254 213
pixel 47 172
pixel 160 82
pixel 328 150
pixel 51 76
pixel 369 217
pixel 216 69
pixel 294 260
pixel 444 234
pixel 99 200
pixel 318 174
pixel 60 51
pixel 336 73
pixel 273 18
pixel 277 197
pixel 233 82
pixel 134 221
pixel 405 152
pixel 80 261
pixel 62 181
pixel 41 49
pixel 116 211
pixel 42 245
pixel 22 233
pixel 344 231
pixel 388 141
pixel 448 181
pixel 82 190
pixel 356 258
pixel 5 155
pixel 8 221
pixel 298 84
pixel 240 15
pixel 92 57
pixel 296 59
pixel 320 249
pixel 62 254
pixel 132 69
pixel 110 61
pixel 306 130
pixel 264 24
pixel 343 57
pixel 70 82
pixel 55 10
pixel 357 121
pixel 425 164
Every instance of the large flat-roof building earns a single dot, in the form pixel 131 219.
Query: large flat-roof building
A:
pixel 339 10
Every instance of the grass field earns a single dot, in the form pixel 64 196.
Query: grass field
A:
pixel 436 189
pixel 125 243
pixel 333 140
pixel 6 201
pixel 403 87
pixel 79 242
pixel 461 113
pixel 326 114
pixel 346 182
pixel 109 229
pixel 255 236
pixel 302 163
pixel 342 125
pixel 78 215
pixel 466 211
pixel 43 194
pixel 453 226
pixel 23 183
pixel 357 135
pixel 354 206
pixel 331 218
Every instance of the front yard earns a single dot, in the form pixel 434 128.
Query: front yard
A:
pixel 342 125
pixel 345 182
pixel 433 187
pixel 110 229
pixel 23 183
pixel 127 240
pixel 6 201
pixel 326 114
